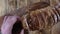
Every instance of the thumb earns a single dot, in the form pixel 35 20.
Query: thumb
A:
pixel 22 31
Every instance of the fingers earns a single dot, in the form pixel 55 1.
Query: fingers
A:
pixel 22 31
pixel 9 21
pixel 5 18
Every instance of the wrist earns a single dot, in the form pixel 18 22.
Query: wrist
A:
pixel 5 31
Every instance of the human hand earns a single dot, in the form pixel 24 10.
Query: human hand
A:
pixel 8 23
